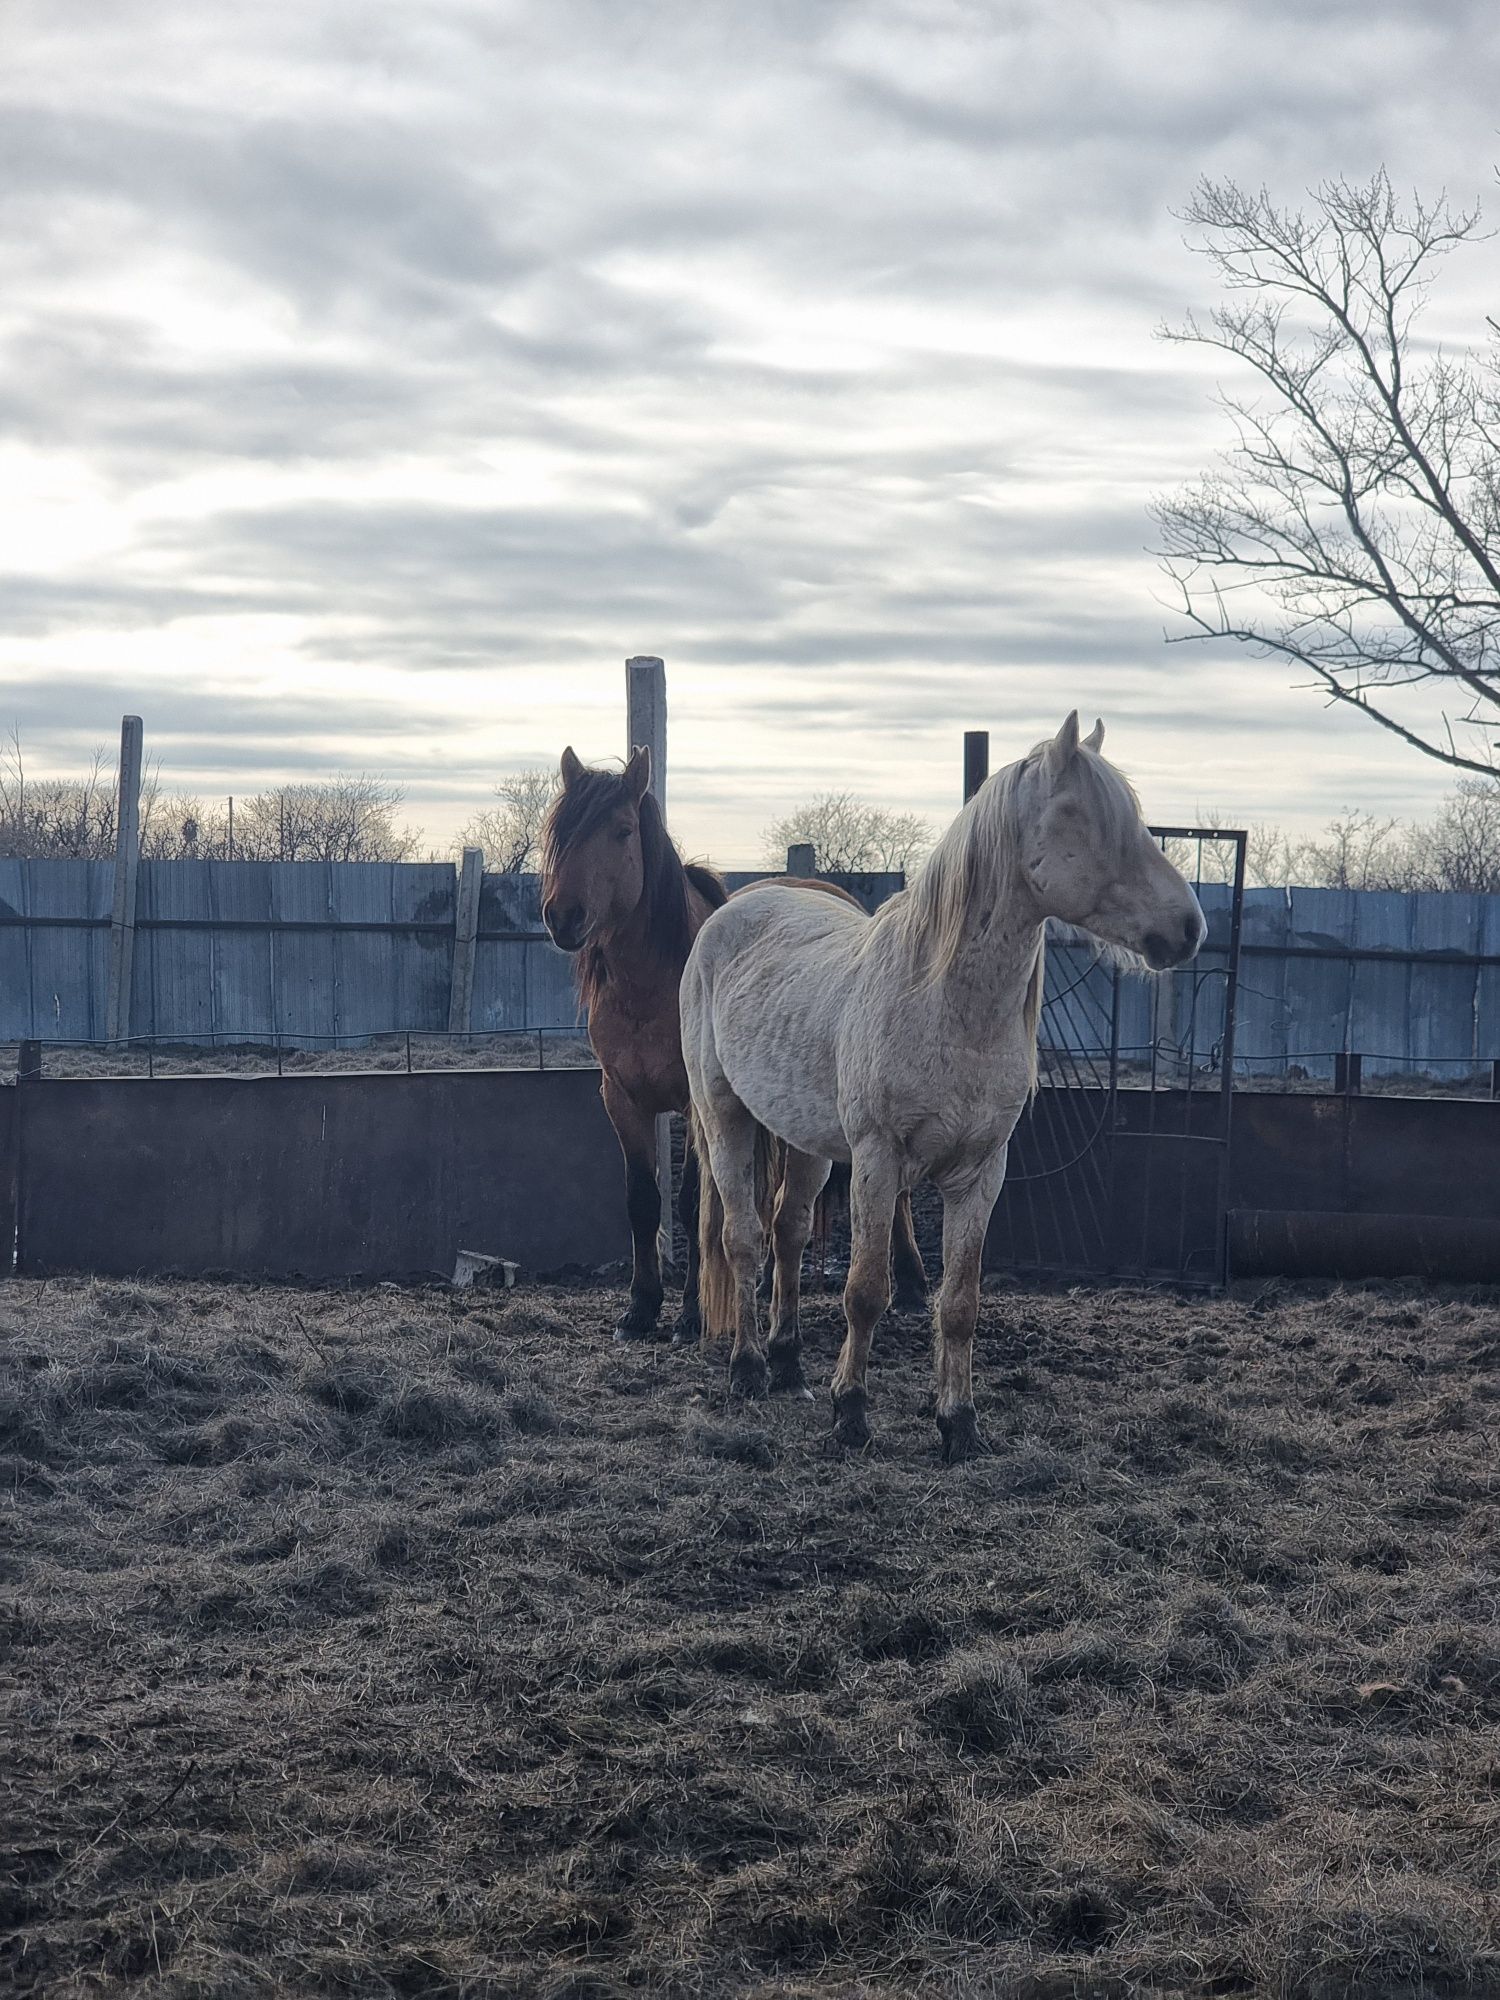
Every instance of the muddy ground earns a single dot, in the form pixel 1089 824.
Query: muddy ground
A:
pixel 417 1644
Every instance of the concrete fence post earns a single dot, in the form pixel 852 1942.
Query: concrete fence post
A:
pixel 646 723
pixel 127 860
pixel 465 930
pixel 801 858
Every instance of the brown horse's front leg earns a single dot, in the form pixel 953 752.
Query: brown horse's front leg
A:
pixel 906 1261
pixel 689 1327
pixel 636 1132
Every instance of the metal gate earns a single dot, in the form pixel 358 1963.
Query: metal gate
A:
pixel 1120 1165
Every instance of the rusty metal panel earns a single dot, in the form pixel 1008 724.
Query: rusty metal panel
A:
pixel 318 1177
pixel 1318 1244
pixel 1289 1151
pixel 1427 1155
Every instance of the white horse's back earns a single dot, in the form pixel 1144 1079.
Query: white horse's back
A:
pixel 770 973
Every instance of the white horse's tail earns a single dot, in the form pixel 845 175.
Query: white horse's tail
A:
pixel 718 1302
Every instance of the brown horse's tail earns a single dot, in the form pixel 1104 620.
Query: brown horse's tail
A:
pixel 717 1300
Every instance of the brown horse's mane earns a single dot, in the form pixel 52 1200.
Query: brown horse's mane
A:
pixel 578 811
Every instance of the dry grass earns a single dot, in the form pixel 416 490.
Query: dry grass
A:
pixel 426 1644
pixel 547 1049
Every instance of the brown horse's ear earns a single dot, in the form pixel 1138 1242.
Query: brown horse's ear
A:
pixel 1095 739
pixel 572 767
pixel 1063 748
pixel 638 772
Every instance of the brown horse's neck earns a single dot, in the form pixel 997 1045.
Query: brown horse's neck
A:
pixel 652 944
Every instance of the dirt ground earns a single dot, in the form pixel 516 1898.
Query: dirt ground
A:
pixel 428 1644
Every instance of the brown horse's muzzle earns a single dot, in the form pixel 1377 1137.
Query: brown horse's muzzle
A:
pixel 566 924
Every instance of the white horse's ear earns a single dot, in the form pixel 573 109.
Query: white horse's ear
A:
pixel 572 767
pixel 638 772
pixel 1095 739
pixel 1063 748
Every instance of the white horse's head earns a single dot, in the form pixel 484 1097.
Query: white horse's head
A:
pixel 1087 856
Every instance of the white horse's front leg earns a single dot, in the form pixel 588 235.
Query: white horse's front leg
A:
pixel 968 1200
pixel 874 1184
pixel 802 1181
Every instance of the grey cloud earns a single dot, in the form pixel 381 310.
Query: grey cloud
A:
pixel 581 229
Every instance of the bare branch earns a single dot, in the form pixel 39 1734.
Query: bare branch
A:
pixel 1354 520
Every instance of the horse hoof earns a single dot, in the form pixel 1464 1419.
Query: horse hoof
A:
pixel 748 1378
pixel 787 1379
pixel 961 1436
pixel 851 1420
pixel 910 1299
pixel 687 1329
pixel 636 1323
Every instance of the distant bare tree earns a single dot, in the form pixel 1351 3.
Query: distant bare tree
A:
pixel 337 819
pixel 510 830
pixel 849 835
pixel 74 818
pixel 1459 848
pixel 330 819
pixel 1354 526
pixel 1213 860
pixel 1357 850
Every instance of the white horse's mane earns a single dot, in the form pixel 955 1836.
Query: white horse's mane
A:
pixel 975 868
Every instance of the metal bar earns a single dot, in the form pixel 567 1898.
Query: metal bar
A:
pixel 18 922
pixel 1226 1053
pixel 976 760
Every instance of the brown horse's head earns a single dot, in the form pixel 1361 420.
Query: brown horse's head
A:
pixel 601 830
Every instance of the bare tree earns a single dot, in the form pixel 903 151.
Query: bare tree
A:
pixel 74 818
pixel 331 819
pixel 1352 527
pixel 1356 850
pixel 848 835
pixel 510 830
pixel 1266 851
pixel 1459 848
pixel 336 819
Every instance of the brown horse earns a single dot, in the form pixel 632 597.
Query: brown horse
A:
pixel 616 894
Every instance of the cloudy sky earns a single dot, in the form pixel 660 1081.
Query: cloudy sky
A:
pixel 375 379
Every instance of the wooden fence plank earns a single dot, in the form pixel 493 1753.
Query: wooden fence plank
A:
pixel 1442 994
pixel 303 965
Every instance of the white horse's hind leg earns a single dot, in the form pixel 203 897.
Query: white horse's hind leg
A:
pixel 967 1205
pixel 802 1180
pixel 731 1134
pixel 874 1184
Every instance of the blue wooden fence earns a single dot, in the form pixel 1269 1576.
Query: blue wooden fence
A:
pixel 309 952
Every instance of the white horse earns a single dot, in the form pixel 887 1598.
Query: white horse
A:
pixel 906 1045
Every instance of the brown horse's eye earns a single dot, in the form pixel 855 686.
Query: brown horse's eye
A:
pixel 622 835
